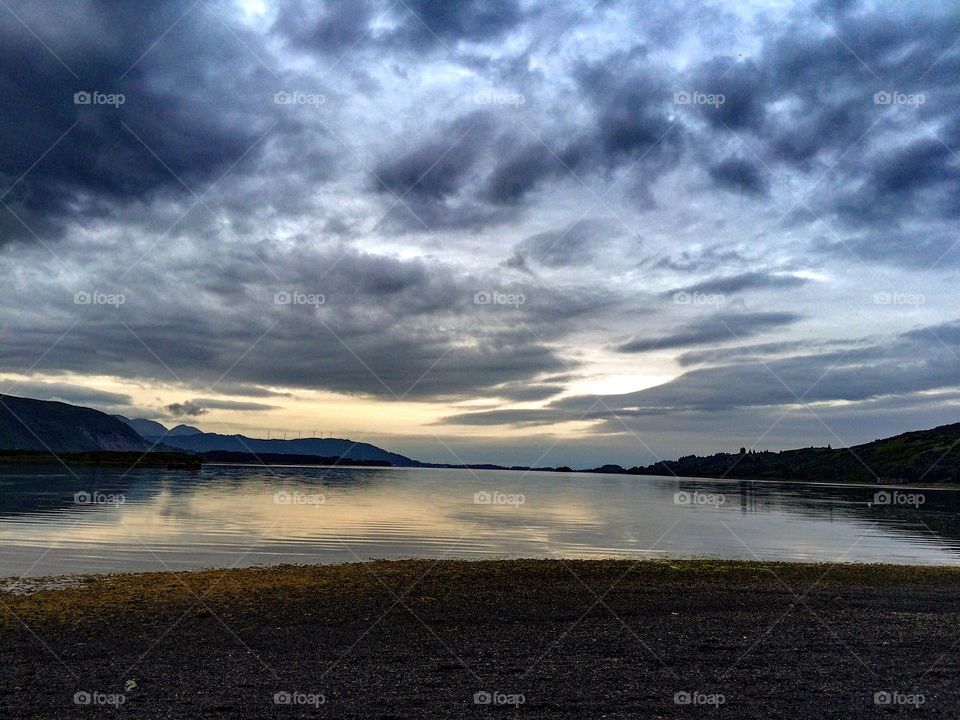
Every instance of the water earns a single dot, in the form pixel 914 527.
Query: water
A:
pixel 230 516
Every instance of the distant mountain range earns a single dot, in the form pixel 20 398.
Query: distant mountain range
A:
pixel 931 456
pixel 190 439
pixel 46 426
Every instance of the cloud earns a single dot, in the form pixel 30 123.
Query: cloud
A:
pixel 574 245
pixel 408 179
pixel 188 409
pixel 422 26
pixel 732 284
pixel 717 329
pixel 177 125
pixel 201 406
pixel 901 366
pixel 438 167
pixel 377 326
pixel 739 176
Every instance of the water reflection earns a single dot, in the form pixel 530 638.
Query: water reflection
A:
pixel 225 516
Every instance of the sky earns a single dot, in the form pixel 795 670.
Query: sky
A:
pixel 532 232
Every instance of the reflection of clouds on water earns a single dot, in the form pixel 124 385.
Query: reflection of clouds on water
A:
pixel 212 518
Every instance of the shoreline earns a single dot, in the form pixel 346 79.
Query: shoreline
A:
pixel 195 462
pixel 421 638
pixel 850 571
pixel 120 459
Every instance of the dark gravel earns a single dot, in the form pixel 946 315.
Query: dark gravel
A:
pixel 418 640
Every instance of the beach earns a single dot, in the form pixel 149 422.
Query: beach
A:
pixel 538 638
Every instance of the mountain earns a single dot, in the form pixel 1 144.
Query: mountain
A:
pixel 145 428
pixel 191 439
pixel 48 426
pixel 201 442
pixel 930 456
pixel 224 456
pixel 151 429
pixel 180 430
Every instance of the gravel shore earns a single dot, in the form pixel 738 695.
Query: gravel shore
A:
pixel 531 638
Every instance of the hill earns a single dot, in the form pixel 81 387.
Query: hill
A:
pixel 137 458
pixel 330 447
pixel 48 426
pixel 223 456
pixel 151 429
pixel 190 439
pixel 929 456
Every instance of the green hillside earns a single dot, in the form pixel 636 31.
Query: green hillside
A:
pixel 57 427
pixel 929 456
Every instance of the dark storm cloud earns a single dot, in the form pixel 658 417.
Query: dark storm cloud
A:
pixel 454 20
pixel 186 409
pixel 800 96
pixel 717 329
pixel 201 406
pixel 522 170
pixel 805 103
pixel 631 101
pixel 923 174
pixel 739 176
pixel 732 284
pixel 338 27
pixel 420 25
pixel 86 159
pixel 632 97
pixel 438 167
pixel 743 88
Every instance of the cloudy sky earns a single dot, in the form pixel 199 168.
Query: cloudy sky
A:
pixel 517 231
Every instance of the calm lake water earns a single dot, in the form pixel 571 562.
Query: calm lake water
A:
pixel 55 522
